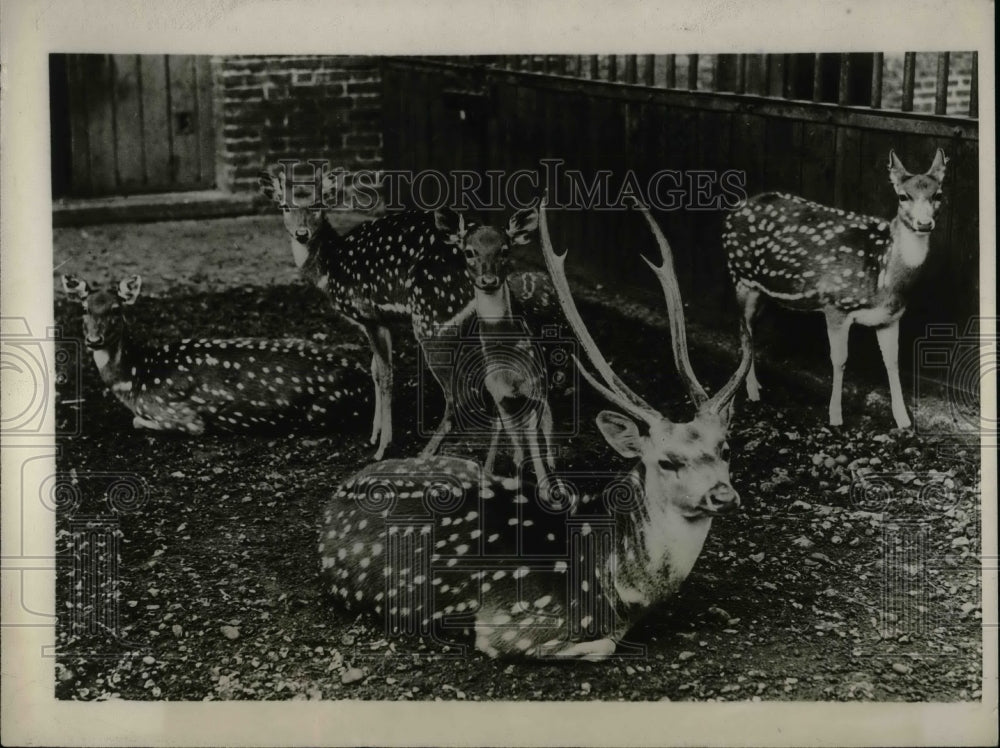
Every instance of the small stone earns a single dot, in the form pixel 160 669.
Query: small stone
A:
pixel 230 632
pixel 900 668
pixel 351 675
pixel 176 629
pixel 148 660
pixel 685 655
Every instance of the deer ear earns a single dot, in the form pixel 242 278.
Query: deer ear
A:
pixel 521 225
pixel 897 172
pixel 620 432
pixel 75 287
pixel 451 224
pixel 331 179
pixel 269 186
pixel 937 168
pixel 128 289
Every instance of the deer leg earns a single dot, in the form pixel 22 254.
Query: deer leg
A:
pixel 592 651
pixel 749 299
pixel 888 343
pixel 144 423
pixel 377 384
pixel 381 340
pixel 546 424
pixel 491 455
pixel 838 328
pixel 532 427
pixel 443 378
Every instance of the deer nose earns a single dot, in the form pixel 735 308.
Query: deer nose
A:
pixel 721 499
pixel 488 281
pixel 925 225
pixel 94 342
pixel 302 236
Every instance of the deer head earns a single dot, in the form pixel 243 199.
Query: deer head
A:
pixel 685 466
pixel 919 194
pixel 103 318
pixel 303 214
pixel 486 249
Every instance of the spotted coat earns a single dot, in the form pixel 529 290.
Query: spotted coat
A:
pixel 431 546
pixel 809 256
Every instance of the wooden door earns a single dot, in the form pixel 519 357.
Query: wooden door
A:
pixel 123 124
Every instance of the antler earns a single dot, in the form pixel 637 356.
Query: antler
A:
pixel 675 310
pixel 616 391
pixel 726 393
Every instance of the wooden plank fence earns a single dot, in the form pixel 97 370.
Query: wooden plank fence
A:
pixel 813 125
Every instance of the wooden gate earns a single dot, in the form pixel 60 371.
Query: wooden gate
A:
pixel 125 124
pixel 644 113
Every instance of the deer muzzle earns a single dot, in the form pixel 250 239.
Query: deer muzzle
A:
pixel 302 236
pixel 720 499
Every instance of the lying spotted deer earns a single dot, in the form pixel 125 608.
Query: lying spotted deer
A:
pixel 402 266
pixel 424 544
pixel 229 385
pixel 854 268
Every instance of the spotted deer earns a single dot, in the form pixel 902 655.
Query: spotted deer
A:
pixel 854 268
pixel 514 373
pixel 229 385
pixel 434 546
pixel 408 265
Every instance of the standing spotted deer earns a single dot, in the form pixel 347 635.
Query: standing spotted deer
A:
pixel 425 544
pixel 854 268
pixel 408 265
pixel 238 384
pixel 514 372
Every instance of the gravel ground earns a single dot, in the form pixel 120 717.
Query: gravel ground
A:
pixel 851 573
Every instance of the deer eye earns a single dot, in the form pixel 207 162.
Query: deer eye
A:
pixel 724 453
pixel 670 465
pixel 903 197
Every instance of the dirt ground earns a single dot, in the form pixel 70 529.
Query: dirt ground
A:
pixel 851 572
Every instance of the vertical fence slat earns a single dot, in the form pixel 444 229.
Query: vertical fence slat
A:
pixel 791 67
pixel 844 80
pixel 692 81
pixel 670 72
pixel 909 79
pixel 648 70
pixel 595 67
pixel 941 85
pixel 741 74
pixel 877 63
pixel 612 68
pixel 817 89
pixel 974 87
pixel 631 69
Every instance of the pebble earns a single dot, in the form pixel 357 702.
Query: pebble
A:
pixel 230 632
pixel 351 675
pixel 900 668
pixel 686 655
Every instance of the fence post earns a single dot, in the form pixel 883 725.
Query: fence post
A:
pixel 909 75
pixel 941 85
pixel 877 62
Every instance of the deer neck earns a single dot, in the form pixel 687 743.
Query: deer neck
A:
pixel 908 247
pixel 109 361
pixel 657 547
pixel 311 258
pixel 493 306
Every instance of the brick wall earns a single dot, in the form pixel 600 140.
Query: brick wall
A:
pixel 302 107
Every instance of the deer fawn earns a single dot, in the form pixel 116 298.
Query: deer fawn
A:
pixel 427 545
pixel 238 384
pixel 853 268
pixel 514 373
pixel 407 265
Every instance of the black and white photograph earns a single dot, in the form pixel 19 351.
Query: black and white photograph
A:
pixel 662 377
